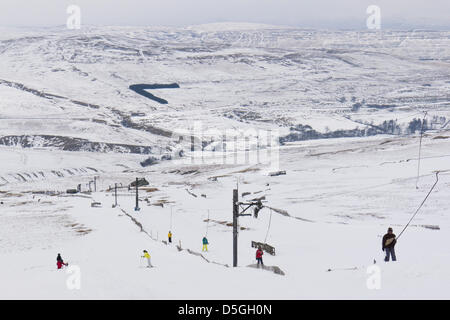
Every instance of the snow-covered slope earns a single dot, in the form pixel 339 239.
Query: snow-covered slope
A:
pixel 229 76
pixel 67 115
pixel 329 211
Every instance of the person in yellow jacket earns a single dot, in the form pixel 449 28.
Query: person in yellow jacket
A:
pixel 147 256
pixel 170 237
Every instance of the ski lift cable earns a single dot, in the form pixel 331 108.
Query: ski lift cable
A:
pixel 268 228
pixel 429 192
pixel 420 149
pixel 207 224
pixel 171 212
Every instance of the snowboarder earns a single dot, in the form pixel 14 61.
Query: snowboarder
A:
pixel 60 262
pixel 388 245
pixel 147 256
pixel 259 254
pixel 170 236
pixel 205 244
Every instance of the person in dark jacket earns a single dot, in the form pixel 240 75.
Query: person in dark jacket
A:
pixel 388 245
pixel 259 254
pixel 205 244
pixel 60 262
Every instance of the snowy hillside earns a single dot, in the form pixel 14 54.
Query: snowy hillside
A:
pixel 229 76
pixel 348 107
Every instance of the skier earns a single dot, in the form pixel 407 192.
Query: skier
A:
pixel 147 256
pixel 170 236
pixel 259 254
pixel 205 244
pixel 60 262
pixel 388 245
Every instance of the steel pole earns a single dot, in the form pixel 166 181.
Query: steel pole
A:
pixel 137 195
pixel 235 227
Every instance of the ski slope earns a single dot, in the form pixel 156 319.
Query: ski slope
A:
pixel 341 197
pixel 67 116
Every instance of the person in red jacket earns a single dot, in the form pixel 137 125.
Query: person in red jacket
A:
pixel 259 254
pixel 60 262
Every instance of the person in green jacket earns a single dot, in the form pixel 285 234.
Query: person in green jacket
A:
pixel 205 244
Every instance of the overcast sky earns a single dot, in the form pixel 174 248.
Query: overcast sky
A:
pixel 303 13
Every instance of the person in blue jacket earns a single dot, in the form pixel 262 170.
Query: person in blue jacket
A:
pixel 205 244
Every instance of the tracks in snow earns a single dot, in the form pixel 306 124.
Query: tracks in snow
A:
pixel 25 177
pixel 190 251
